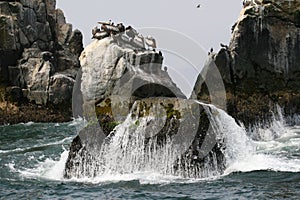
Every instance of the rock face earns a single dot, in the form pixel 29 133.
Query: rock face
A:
pixel 39 52
pixel 260 68
pixel 115 74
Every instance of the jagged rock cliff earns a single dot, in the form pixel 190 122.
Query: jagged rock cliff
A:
pixel 260 67
pixel 38 59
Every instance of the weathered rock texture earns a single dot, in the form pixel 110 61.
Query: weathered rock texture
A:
pixel 115 74
pixel 38 56
pixel 261 66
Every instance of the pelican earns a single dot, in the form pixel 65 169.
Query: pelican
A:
pixel 121 27
pixel 100 35
pixel 139 41
pixel 110 29
pixel 95 30
pixel 150 41
pixel 131 32
pixel 105 23
pixel 224 46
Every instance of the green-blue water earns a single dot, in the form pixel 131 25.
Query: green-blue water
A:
pixel 32 159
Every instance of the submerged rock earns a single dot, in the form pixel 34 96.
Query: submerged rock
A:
pixel 260 67
pixel 36 45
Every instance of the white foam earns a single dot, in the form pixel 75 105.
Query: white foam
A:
pixel 11 166
pixel 29 123
pixel 264 162
pixel 48 169
pixel 10 151
pixel 150 177
pixel 244 155
pixel 36 146
pixel 57 168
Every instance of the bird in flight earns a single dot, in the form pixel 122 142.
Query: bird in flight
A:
pixel 199 5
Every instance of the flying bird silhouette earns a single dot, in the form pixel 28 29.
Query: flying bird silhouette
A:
pixel 199 5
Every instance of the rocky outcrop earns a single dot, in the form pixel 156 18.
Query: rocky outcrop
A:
pixel 260 67
pixel 124 93
pixel 176 129
pixel 115 74
pixel 39 54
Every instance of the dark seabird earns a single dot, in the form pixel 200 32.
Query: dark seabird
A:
pixel 224 46
pixel 211 50
pixel 199 5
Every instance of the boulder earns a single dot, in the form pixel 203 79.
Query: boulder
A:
pixel 60 89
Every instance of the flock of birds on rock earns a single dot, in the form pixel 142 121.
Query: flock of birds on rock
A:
pixel 128 34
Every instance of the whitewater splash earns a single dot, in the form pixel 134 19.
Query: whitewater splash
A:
pixel 126 157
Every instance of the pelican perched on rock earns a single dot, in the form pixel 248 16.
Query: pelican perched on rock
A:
pixel 121 27
pixel 224 46
pixel 139 41
pixel 105 23
pixel 130 32
pixel 150 42
pixel 95 30
pixel 100 35
pixel 111 29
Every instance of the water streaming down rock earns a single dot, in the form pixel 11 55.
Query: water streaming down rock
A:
pixel 161 135
pixel 237 143
pixel 141 145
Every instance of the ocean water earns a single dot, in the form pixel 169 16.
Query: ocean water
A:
pixel 32 158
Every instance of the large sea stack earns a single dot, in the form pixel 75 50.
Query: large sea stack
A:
pixel 126 94
pixel 39 54
pixel 261 65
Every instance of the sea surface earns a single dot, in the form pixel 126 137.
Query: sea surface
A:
pixel 33 155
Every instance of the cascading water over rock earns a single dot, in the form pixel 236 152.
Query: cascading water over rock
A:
pixel 157 140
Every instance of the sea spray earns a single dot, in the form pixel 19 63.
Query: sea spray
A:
pixel 130 149
pixel 270 130
pixel 136 147
pixel 233 136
